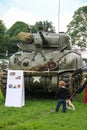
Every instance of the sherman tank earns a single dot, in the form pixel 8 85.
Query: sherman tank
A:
pixel 45 58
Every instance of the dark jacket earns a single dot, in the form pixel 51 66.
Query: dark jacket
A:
pixel 62 93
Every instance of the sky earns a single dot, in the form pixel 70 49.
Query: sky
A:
pixel 31 11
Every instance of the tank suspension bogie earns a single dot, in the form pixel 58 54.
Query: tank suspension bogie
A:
pixel 3 82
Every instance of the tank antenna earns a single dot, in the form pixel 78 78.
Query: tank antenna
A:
pixel 58 16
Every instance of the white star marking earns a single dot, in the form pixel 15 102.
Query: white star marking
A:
pixel 36 79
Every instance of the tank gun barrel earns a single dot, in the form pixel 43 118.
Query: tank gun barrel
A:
pixel 44 41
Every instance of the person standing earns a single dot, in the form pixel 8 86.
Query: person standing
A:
pixel 62 94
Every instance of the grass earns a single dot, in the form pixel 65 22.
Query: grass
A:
pixel 38 114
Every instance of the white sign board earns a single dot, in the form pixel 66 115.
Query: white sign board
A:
pixel 15 95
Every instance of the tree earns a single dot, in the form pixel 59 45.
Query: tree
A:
pixel 2 28
pixel 42 25
pixel 2 38
pixel 8 40
pixel 77 28
pixel 2 31
pixel 17 28
pixel 10 36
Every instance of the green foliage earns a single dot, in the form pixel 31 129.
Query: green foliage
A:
pixel 42 25
pixel 77 28
pixel 2 28
pixel 45 25
pixel 2 32
pixel 38 114
pixel 8 40
pixel 17 28
pixel 2 37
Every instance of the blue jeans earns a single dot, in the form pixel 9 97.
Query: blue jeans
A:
pixel 59 103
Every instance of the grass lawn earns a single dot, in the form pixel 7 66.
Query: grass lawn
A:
pixel 38 114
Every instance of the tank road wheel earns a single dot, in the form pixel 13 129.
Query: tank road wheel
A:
pixel 3 82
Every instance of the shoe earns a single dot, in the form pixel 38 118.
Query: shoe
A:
pixel 64 111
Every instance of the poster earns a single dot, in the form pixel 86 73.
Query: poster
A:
pixel 15 94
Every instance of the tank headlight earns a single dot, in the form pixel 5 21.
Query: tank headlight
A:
pixel 25 62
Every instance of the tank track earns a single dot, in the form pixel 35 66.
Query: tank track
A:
pixel 3 81
pixel 72 79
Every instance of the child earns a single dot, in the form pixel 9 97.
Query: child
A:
pixel 62 95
